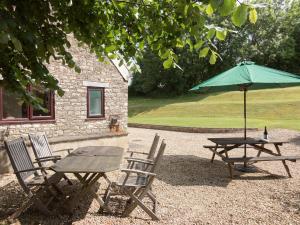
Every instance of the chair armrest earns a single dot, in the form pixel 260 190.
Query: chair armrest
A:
pixel 145 161
pixel 65 150
pixel 53 158
pixel 28 170
pixel 138 172
pixel 136 152
pixel 49 157
pixel 135 158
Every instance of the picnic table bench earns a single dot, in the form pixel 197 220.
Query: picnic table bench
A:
pixel 224 145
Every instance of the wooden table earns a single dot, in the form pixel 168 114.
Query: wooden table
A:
pixel 222 146
pixel 89 164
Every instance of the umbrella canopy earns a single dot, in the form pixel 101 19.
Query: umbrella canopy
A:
pixel 248 75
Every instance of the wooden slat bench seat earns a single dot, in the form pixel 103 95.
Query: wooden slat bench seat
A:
pixel 256 159
pixel 221 146
pixel 212 146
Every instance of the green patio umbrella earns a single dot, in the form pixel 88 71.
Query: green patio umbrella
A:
pixel 248 76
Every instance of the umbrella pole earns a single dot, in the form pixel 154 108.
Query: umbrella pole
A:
pixel 245 125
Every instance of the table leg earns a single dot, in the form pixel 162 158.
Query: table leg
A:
pixel 229 164
pixel 283 161
pixel 258 155
pixel 213 156
pixel 89 186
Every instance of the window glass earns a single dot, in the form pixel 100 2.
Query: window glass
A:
pixel 45 97
pixel 13 107
pixel 95 102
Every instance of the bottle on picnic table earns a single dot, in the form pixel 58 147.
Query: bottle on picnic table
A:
pixel 266 133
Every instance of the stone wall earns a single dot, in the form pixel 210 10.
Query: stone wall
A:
pixel 71 109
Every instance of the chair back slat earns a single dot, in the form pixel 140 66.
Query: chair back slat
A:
pixel 159 156
pixel 19 158
pixel 40 145
pixel 153 147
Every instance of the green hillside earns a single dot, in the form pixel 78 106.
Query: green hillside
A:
pixel 277 108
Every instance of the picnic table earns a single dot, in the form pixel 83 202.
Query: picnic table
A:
pixel 222 146
pixel 89 164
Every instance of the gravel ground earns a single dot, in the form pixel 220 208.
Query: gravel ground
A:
pixel 189 188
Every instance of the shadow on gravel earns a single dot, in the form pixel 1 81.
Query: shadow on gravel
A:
pixel 190 170
pixel 187 170
pixel 295 140
pixel 11 197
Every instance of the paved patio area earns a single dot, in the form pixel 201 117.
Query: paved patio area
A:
pixel 191 190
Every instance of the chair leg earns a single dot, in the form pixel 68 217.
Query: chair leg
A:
pixel 105 198
pixel 137 201
pixel 153 199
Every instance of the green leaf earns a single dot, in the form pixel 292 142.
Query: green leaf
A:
pixel 101 58
pixel 203 53
pixel 110 48
pixel 198 44
pixel 141 45
pixel 168 63
pixel 239 17
pixel 209 10
pixel 179 43
pixel 190 43
pixel 215 3
pixel 4 37
pixel 17 44
pixel 60 92
pixel 253 16
pixel 221 35
pixel 213 58
pixel 227 7
pixel 77 69
pixel 211 33
pixel 165 54
pixel 185 12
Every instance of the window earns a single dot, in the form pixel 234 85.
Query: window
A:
pixel 14 109
pixel 95 102
pixel 46 97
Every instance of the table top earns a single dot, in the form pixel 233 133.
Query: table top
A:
pixel 91 159
pixel 98 151
pixel 241 140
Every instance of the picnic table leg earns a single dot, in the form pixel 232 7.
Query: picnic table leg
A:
pixel 283 161
pixel 229 164
pixel 213 156
pixel 259 152
pixel 258 155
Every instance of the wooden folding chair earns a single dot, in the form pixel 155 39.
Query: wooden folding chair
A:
pixel 137 184
pixel 43 152
pixel 148 156
pixel 33 180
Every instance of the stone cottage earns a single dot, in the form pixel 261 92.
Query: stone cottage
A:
pixel 82 116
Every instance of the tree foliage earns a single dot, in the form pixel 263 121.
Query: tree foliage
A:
pixel 273 41
pixel 34 32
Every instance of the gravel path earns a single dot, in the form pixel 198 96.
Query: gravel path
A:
pixel 190 189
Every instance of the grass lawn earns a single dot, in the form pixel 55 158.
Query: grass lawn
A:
pixel 276 108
